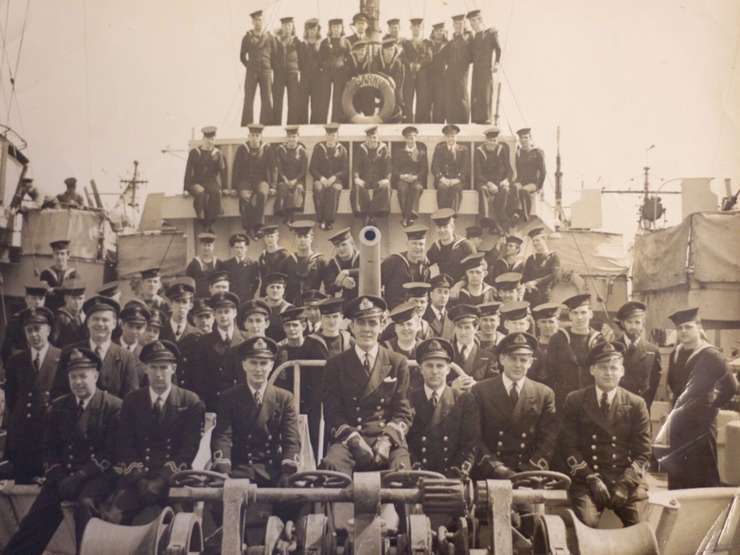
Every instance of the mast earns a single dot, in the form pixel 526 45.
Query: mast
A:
pixel 132 185
pixel 559 216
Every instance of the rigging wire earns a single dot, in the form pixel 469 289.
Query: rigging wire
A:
pixel 87 85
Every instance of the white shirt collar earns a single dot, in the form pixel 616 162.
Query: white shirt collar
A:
pixel 102 346
pixel 174 325
pixel 610 396
pixel 85 402
pixel 437 312
pixel 509 383
pixel 228 334
pixel 468 348
pixel 372 353
pixel 429 391
pixel 130 347
pixel 153 395
pixel 41 354
pixel 261 390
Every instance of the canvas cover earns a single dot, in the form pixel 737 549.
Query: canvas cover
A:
pixel 139 251
pixel 591 253
pixel 84 228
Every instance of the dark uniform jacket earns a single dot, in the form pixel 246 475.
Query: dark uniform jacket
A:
pixel 257 50
pixel 252 166
pixel 201 272
pixel 214 367
pixel 275 326
pixel 205 167
pixel 444 328
pixel 304 274
pixel 186 370
pixel 451 163
pixel 442 438
pixel 270 263
pixel 118 374
pixel 483 46
pixel 333 268
pixel 15 338
pixel 291 163
pixel 521 436
pixel 335 53
pixel 396 270
pixel 448 258
pixel 545 271
pixel 617 446
pixel 414 161
pixel 372 405
pixel 68 328
pixel 641 369
pixel 327 162
pixel 55 278
pixel 83 442
pixel 396 71
pixel 493 165
pixel 417 55
pixel 530 167
pixel 566 372
pixel 168 332
pixel 479 363
pixel 487 295
pixel 373 165
pixel 501 266
pixel 335 345
pixel 150 447
pixel 260 437
pixel 244 277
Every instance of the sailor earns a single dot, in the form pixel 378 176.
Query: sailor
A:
pixel 342 271
pixel 205 176
pixel 335 58
pixel 255 317
pixel 530 170
pixel 244 274
pixel 212 369
pixel 201 317
pixel 310 300
pixel 331 334
pixel 180 295
pixel 403 267
pixel 417 292
pixel 275 299
pixel 459 56
pixel 436 313
pixel 70 198
pixel 541 270
pixel 153 326
pixel 274 257
pixel 158 435
pixel 404 334
pixel 365 398
pixel 134 319
pixel 515 419
pixel 79 438
pixel 516 318
pixel 701 383
pixel 476 363
pixel 291 164
pixel 218 282
pixel 15 337
pixel 417 86
pixel 509 262
pixel 69 320
pixel 252 180
pixel 448 251
pixel 56 274
pixel 118 374
pixel 489 334
pixel 257 55
pixel 547 323
pixel 450 168
pixel 568 350
pixel 149 288
pixel 305 268
pixel 606 440
pixel 313 83
pixel 485 55
pixel 287 74
pixel 410 169
pixel 361 54
pixel 391 64
pixel 641 358
pixel 330 170
pixel 201 266
pixel 498 200
pixel 437 68
pixel 476 291
pixel 256 435
pixel 372 178
pixel 441 438
pixel 474 234
pixel 29 375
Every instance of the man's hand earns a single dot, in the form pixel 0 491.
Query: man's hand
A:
pixel 271 192
pixel 620 495
pixel 349 283
pixel 222 467
pixel 359 182
pixel 598 489
pixel 384 183
pixel 198 189
pixel 608 333
pixel 530 187
pixel 455 290
pixel 360 450
pixel 330 180
pixel 341 276
pixel 502 472
pixel 288 467
pixel 382 451
pixel 463 383
pixel 530 285
pixel 245 194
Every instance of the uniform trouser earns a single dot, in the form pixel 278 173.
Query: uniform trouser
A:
pixel 207 204
pixel 526 200
pixel 289 81
pixel 326 201
pixel 589 512
pixel 438 97
pixel 45 515
pixel 416 85
pixel 458 103
pixel 252 211
pixel 501 208
pixel 481 95
pixel 28 463
pixel 336 79
pixel 263 78
pixel 697 467
pixel 408 197
pixel 130 502
pixel 373 201
pixel 314 97
pixel 339 458
pixel 290 198
pixel 449 196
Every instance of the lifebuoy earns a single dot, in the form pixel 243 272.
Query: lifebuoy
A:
pixel 385 88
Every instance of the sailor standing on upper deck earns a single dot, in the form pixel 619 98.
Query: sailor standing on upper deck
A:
pixel 205 175
pixel 486 54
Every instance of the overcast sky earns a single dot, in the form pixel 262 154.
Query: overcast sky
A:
pixel 101 83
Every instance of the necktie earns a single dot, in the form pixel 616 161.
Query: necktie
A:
pixel 514 394
pixel 604 403
pixel 435 400
pixel 366 363
pixel 37 362
pixel 157 408
pixel 178 331
pixel 464 352
pixel 99 352
pixel 258 397
pixel 80 407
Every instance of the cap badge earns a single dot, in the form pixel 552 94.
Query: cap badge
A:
pixel 520 340
pixel 365 304
pixel 260 344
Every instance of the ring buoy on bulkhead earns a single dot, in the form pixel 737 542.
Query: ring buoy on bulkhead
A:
pixel 385 88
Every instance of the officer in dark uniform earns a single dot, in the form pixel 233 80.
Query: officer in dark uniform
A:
pixel 252 179
pixel 371 193
pixel 158 435
pixel 410 167
pixel 391 64
pixel 606 439
pixel 256 435
pixel 641 358
pixel 498 204
pixel 257 55
pixel 69 320
pixel 541 270
pixel 330 170
pixel 313 84
pixel 275 299
pixel 70 198
pixel 305 268
pixel 437 69
pixel 180 294
pixel 79 439
pixel 29 375
pixel 342 271
pixel 244 273
pixel 274 257
pixel 436 313
pixel 213 368
pixel 509 262
pixel 335 58
pixel 15 338
pixel 515 417
pixel 330 334
pixel 365 398
pixel 441 438
pixel 530 170
pixel 459 56
pixel 56 274
pixel 287 74
pixel 476 363
pixel 291 164
pixel 403 267
pixel 450 168
pixel 417 86
pixel 486 54
pixel 201 317
pixel 201 266
pixel 205 176
pixel 448 251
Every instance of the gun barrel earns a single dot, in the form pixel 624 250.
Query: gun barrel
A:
pixel 369 243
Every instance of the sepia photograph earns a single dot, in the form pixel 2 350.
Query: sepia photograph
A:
pixel 365 277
